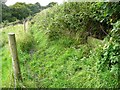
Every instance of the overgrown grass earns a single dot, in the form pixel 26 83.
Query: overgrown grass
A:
pixel 47 64
pixel 54 59
pixel 6 61
pixel 54 64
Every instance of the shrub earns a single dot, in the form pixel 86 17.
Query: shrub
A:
pixel 110 55
pixel 64 20
pixel 106 12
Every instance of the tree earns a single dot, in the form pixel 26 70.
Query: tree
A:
pixel 6 13
pixel 20 10
pixel 34 8
pixel 51 4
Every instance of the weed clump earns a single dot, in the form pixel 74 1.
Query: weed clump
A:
pixel 26 42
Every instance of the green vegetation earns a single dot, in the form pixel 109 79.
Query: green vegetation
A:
pixel 20 11
pixel 57 52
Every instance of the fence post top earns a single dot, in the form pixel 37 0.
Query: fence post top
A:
pixel 11 33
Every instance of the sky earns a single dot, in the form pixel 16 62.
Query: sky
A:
pixel 42 2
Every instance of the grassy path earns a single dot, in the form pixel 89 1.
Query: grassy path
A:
pixel 50 64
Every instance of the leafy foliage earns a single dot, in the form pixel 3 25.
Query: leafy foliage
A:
pixel 52 56
pixel 20 11
pixel 110 55
pixel 21 7
pixel 6 13
pixel 106 12
pixel 65 20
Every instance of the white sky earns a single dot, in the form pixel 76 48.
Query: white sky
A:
pixel 42 2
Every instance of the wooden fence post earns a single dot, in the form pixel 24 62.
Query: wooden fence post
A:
pixel 24 23
pixel 15 60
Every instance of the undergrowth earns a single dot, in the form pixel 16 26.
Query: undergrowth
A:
pixel 55 53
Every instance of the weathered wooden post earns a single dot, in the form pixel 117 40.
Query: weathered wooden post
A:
pixel 15 60
pixel 24 23
pixel 27 22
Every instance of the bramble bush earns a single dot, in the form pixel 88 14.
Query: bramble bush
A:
pixel 105 12
pixel 110 57
pixel 111 51
pixel 67 20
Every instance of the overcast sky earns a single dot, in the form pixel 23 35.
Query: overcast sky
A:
pixel 42 2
